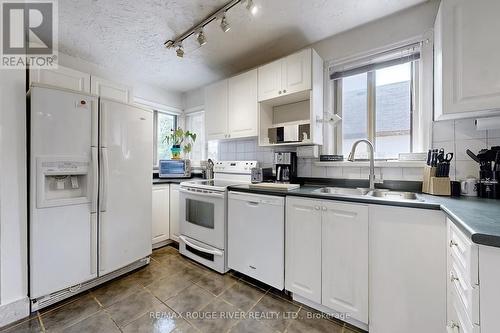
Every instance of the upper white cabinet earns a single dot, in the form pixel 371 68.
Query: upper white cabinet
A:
pixel 326 255
pixel 467 74
pixel 62 77
pixel 161 214
pixel 286 76
pixel 242 105
pixel 345 259
pixel 216 110
pixel 111 90
pixel 407 271
pixel 231 107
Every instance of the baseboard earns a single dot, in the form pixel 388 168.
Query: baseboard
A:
pixel 14 311
pixel 162 243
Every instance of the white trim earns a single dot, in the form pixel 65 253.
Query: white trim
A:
pixel 157 106
pixel 14 311
pixel 378 164
pixel 194 109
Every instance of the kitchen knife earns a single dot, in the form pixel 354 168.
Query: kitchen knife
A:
pixel 473 156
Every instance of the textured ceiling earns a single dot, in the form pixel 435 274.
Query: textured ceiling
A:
pixel 127 36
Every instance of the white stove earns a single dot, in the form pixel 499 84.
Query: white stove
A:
pixel 203 213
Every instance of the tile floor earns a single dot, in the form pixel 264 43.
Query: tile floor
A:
pixel 174 294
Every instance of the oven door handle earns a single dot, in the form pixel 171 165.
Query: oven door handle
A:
pixel 202 249
pixel 204 194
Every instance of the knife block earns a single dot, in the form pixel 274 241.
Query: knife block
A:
pixel 435 185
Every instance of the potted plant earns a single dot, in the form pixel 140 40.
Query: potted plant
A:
pixel 180 140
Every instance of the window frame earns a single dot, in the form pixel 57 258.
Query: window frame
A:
pixel 155 133
pixel 336 93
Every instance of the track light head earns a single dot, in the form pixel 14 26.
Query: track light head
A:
pixel 224 24
pixel 252 7
pixel 180 52
pixel 202 40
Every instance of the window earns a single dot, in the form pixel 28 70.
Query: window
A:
pixel 163 123
pixel 195 122
pixel 376 102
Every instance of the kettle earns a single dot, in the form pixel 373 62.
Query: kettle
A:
pixel 468 187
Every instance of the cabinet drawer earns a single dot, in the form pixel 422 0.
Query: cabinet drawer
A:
pixel 458 321
pixel 463 253
pixel 468 295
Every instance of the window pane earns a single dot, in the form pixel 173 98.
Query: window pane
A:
pixel 393 110
pixel 165 125
pixel 196 124
pixel 354 112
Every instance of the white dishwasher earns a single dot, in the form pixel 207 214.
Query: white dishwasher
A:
pixel 256 237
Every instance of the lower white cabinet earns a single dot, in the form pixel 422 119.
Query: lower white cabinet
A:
pixel 174 212
pixel 407 271
pixel 327 254
pixel 345 259
pixel 303 248
pixel 161 213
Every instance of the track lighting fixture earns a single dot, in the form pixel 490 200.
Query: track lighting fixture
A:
pixel 198 29
pixel 224 25
pixel 202 40
pixel 180 52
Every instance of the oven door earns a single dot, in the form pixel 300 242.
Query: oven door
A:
pixel 202 216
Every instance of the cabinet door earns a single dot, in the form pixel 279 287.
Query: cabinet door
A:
pixel 297 72
pixel 62 77
pixel 466 51
pixel 242 105
pixel 161 213
pixel 174 212
pixel 303 248
pixel 111 90
pixel 345 259
pixel 270 80
pixel 216 110
pixel 407 280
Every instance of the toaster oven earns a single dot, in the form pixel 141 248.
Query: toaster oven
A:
pixel 174 169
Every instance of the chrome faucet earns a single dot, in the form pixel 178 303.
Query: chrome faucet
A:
pixel 372 160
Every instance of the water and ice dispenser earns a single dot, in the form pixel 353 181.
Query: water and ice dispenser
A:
pixel 63 181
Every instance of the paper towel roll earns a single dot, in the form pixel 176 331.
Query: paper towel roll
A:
pixel 487 123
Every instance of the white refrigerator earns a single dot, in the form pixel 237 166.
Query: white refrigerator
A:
pixel 90 163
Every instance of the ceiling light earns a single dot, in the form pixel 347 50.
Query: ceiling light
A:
pixel 224 25
pixel 202 40
pixel 252 7
pixel 180 52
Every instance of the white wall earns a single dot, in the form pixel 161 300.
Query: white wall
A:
pixel 194 99
pixel 13 196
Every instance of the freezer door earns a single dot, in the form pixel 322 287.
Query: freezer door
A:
pixel 126 156
pixel 63 234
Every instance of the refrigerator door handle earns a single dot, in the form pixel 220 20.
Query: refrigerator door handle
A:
pixel 95 178
pixel 103 196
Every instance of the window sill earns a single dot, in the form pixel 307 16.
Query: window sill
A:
pixel 378 164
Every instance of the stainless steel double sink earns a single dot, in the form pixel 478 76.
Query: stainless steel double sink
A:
pixel 365 192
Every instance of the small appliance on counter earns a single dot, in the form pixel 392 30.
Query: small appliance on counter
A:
pixel 489 172
pixel 262 175
pixel 174 169
pixel 286 166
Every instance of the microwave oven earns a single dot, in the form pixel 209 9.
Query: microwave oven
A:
pixel 174 169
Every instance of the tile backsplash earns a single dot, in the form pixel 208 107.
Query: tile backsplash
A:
pixel 458 135
pixel 453 135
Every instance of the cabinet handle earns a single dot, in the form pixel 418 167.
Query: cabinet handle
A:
pixel 453 243
pixel 453 277
pixel 284 91
pixel 279 92
pixel 317 207
pixel 323 209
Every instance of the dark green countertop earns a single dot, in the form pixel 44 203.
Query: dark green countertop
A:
pixel 477 218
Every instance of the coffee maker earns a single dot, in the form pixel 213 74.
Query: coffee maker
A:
pixel 286 166
pixel 489 173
